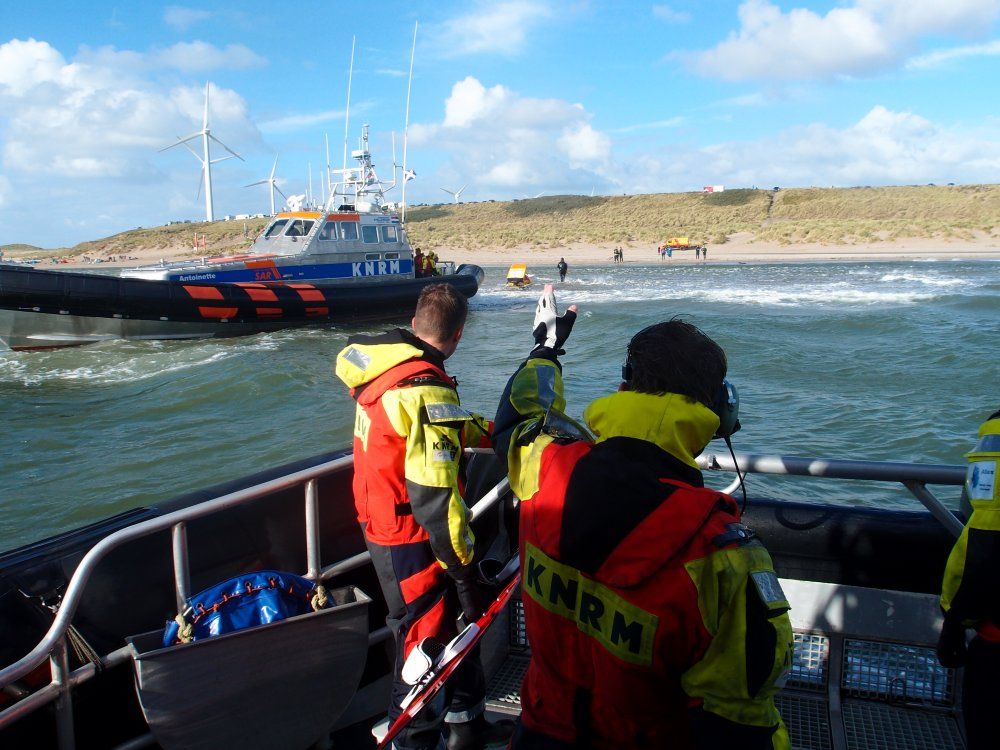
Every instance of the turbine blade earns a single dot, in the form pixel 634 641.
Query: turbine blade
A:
pixel 259 182
pixel 182 140
pixel 280 193
pixel 205 121
pixel 226 147
pixel 275 166
pixel 201 181
pixel 221 158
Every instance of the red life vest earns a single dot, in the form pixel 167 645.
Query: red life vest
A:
pixel 380 494
pixel 609 646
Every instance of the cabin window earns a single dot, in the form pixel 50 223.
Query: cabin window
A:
pixel 275 229
pixel 369 233
pixel 349 230
pixel 328 231
pixel 389 234
pixel 299 228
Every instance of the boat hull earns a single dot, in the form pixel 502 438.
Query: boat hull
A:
pixel 49 309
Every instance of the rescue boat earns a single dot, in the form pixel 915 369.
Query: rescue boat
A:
pixel 82 615
pixel 349 261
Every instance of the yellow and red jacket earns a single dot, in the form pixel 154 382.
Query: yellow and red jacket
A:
pixel 655 618
pixel 970 592
pixel 409 434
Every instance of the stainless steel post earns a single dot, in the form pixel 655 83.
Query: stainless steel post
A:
pixel 942 514
pixel 312 531
pixel 59 663
pixel 182 572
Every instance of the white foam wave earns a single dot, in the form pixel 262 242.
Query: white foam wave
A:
pixel 108 370
pixel 831 294
pixel 920 279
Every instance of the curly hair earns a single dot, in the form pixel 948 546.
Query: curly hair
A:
pixel 676 357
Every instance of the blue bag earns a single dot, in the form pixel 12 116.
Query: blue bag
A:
pixel 244 602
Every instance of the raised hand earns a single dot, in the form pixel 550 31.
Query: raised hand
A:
pixel 551 329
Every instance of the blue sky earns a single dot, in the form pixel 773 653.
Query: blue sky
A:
pixel 512 97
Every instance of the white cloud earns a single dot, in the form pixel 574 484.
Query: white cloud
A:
pixel 859 39
pixel 670 122
pixel 883 147
pixel 500 141
pixel 668 14
pixel 91 128
pixel 181 18
pixel 939 57
pixel 491 27
pixel 198 57
pixel 5 189
pixel 297 122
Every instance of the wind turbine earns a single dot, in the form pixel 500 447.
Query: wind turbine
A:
pixel 206 160
pixel 456 193
pixel 272 183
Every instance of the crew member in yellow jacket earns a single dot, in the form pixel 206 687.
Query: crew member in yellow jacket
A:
pixel 970 595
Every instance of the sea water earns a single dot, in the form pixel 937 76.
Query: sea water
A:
pixel 878 361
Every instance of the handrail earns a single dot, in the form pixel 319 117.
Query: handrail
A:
pixel 53 644
pixel 912 476
pixel 74 591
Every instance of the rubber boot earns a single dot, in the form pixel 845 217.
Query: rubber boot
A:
pixel 479 734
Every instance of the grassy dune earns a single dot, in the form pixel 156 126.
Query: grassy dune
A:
pixel 834 216
pixel 828 215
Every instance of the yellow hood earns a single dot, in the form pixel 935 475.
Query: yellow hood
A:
pixel 678 425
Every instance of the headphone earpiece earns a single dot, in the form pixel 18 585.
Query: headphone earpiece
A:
pixel 627 371
pixel 727 408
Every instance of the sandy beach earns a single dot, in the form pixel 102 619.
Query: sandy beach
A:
pixel 739 249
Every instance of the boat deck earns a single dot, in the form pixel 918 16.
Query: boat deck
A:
pixel 848 690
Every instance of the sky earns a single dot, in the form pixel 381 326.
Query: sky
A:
pixel 510 98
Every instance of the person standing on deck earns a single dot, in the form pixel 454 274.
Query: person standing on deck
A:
pixel 409 436
pixel 655 617
pixel 418 263
pixel 970 596
pixel 562 268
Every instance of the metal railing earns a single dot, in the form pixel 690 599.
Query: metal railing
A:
pixel 53 645
pixel 914 477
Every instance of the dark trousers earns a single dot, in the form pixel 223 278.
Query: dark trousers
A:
pixel 422 603
pixel 981 695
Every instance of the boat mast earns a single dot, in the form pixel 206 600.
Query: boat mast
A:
pixel 347 112
pixel 406 123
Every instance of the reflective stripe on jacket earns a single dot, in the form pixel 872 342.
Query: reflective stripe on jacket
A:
pixel 655 619
pixel 970 592
pixel 409 433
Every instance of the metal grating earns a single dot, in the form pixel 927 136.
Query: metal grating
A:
pixel 876 726
pixel 518 634
pixel 807 720
pixel 809 662
pixel 505 687
pixel 889 671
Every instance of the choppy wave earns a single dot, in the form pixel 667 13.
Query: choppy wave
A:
pixel 834 360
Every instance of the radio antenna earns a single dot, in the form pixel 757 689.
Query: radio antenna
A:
pixel 406 123
pixel 347 112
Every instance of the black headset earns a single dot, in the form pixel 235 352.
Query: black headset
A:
pixel 725 404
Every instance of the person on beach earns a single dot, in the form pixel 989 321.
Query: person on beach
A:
pixel 562 268
pixel 969 594
pixel 409 434
pixel 655 617
pixel 704 252
pixel 697 252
